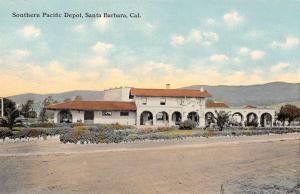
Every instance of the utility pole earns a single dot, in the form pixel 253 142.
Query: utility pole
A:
pixel 2 107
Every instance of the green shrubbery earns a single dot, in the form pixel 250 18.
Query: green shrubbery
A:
pixel 187 125
pixel 103 134
pixel 22 133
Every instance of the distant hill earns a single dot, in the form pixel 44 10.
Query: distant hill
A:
pixel 85 94
pixel 279 105
pixel 259 95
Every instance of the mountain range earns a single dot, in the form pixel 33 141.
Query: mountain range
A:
pixel 258 95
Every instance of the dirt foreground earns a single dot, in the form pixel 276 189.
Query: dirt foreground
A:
pixel 257 164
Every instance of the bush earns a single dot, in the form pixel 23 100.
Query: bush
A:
pixel 115 136
pixel 89 136
pixel 5 132
pixel 69 136
pixel 76 124
pixel 55 131
pixel 133 137
pixel 162 129
pixel 187 125
pixel 146 130
pixel 34 132
pixel 42 125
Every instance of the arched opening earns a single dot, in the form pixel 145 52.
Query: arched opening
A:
pixel 176 117
pixel 146 118
pixel 266 120
pixel 64 116
pixel 89 117
pixel 209 119
pixel 193 116
pixel 237 119
pixel 252 120
pixel 162 118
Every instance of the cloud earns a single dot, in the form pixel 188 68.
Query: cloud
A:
pixel 102 47
pixel 243 51
pixel 279 67
pixel 20 53
pixel 232 18
pixel 195 36
pixel 78 28
pixel 101 23
pixel 211 22
pixel 257 54
pixel 177 40
pixel 210 37
pixel 30 31
pixel 253 54
pixel 290 42
pixel 218 58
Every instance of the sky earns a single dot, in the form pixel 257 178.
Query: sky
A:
pixel 228 42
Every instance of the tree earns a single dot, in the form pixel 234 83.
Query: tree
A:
pixel 288 113
pixel 78 98
pixel 27 111
pixel 11 113
pixel 222 119
pixel 44 114
pixel 67 100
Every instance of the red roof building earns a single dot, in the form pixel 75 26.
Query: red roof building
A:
pixel 216 105
pixel 169 93
pixel 93 105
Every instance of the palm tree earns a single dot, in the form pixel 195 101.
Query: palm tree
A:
pixel 11 113
pixel 222 119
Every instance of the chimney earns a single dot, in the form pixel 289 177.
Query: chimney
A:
pixel 168 86
pixel 201 89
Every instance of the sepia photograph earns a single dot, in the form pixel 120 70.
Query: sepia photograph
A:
pixel 141 96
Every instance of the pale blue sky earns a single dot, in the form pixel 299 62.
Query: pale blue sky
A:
pixel 177 42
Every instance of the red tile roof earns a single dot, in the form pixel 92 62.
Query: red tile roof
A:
pixel 93 105
pixel 216 105
pixel 250 106
pixel 168 92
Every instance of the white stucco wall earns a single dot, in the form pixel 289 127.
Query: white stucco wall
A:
pixel 182 105
pixel 244 112
pixel 115 118
pixel 117 94
pixel 78 116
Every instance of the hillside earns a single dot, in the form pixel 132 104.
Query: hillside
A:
pixel 258 95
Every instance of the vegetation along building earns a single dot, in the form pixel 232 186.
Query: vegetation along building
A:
pixel 157 107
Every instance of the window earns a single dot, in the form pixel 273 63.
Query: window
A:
pixel 162 101
pixel 124 113
pixel 106 113
pixel 144 101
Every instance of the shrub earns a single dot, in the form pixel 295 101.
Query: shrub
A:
pixel 34 132
pixel 89 136
pixel 55 131
pixel 77 124
pixel 78 131
pixel 162 129
pixel 133 137
pixel 210 133
pixel 69 136
pixel 42 125
pixel 187 124
pixel 115 136
pixel 145 130
pixel 5 132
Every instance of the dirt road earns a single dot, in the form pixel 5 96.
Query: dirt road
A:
pixel 266 164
